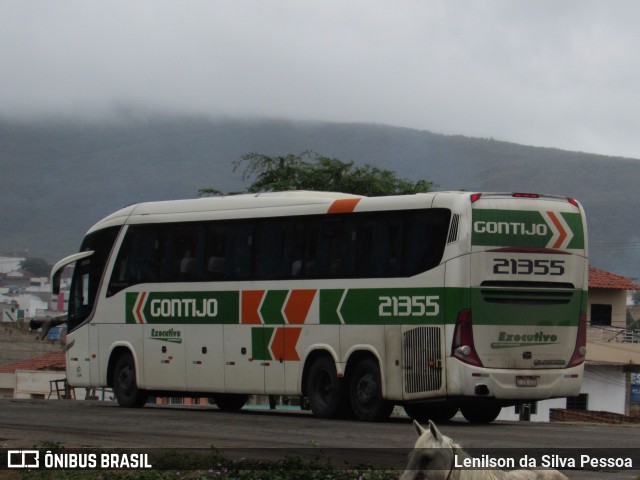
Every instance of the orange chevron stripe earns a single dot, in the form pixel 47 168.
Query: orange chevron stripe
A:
pixel 251 300
pixel 284 344
pixel 561 230
pixel 343 205
pixel 298 306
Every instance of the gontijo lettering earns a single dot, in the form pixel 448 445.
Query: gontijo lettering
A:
pixel 189 307
pixel 183 307
pixel 508 228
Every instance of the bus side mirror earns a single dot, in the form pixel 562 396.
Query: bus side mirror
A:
pixel 58 268
pixel 55 281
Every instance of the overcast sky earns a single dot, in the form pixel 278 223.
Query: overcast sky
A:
pixel 539 72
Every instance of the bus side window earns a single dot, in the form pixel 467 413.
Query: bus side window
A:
pixel 238 266
pixel 216 251
pixel 138 260
pixel 295 248
pixel 187 252
pixel 335 255
pixel 269 250
pixel 424 240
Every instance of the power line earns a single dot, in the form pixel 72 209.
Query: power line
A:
pixel 614 245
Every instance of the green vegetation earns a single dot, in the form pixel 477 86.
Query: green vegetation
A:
pixel 37 266
pixel 311 171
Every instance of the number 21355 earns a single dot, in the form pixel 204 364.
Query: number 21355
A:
pixel 408 306
pixel 526 266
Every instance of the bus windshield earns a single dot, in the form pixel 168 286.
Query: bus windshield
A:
pixel 88 274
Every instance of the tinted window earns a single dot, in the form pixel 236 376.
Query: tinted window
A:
pixel 355 245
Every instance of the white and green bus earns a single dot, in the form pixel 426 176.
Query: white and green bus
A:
pixel 437 302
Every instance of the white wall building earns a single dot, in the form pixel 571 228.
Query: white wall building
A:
pixel 10 264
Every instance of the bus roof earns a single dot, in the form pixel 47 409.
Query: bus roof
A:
pixel 299 202
pixel 242 206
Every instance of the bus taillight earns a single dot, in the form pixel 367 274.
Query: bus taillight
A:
pixel 463 347
pixel 580 351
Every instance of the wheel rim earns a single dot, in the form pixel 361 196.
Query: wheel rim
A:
pixel 126 379
pixel 367 390
pixel 323 388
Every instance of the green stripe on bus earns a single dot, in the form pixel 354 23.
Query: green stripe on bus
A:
pixel 369 306
pixel 272 305
pixel 574 220
pixel 329 302
pixel 183 307
pixel 260 339
pixel 532 307
pixel 393 306
pixel 525 228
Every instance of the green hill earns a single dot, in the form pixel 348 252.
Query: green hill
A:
pixel 60 177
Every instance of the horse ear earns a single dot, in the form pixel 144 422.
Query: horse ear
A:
pixel 418 427
pixel 434 431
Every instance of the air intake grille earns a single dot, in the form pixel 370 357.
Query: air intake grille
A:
pixel 422 360
pixel 453 229
pixel 526 297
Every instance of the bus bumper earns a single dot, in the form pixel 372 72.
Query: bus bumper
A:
pixel 505 384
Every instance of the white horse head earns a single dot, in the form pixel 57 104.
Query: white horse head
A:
pixel 434 458
pixel 433 455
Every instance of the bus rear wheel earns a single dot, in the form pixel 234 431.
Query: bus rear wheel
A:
pixel 324 388
pixel 230 402
pixel 481 411
pixel 365 392
pixel 125 385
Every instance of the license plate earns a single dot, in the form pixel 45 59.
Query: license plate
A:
pixel 527 381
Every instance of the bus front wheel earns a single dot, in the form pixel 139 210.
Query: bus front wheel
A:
pixel 230 402
pixel 125 386
pixel 324 388
pixel 365 392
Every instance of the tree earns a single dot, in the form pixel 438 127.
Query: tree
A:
pixel 311 171
pixel 36 266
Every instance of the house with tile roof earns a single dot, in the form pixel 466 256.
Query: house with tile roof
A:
pixel 32 377
pixel 44 377
pixel 608 298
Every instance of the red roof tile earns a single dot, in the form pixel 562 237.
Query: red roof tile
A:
pixel 51 361
pixel 601 279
